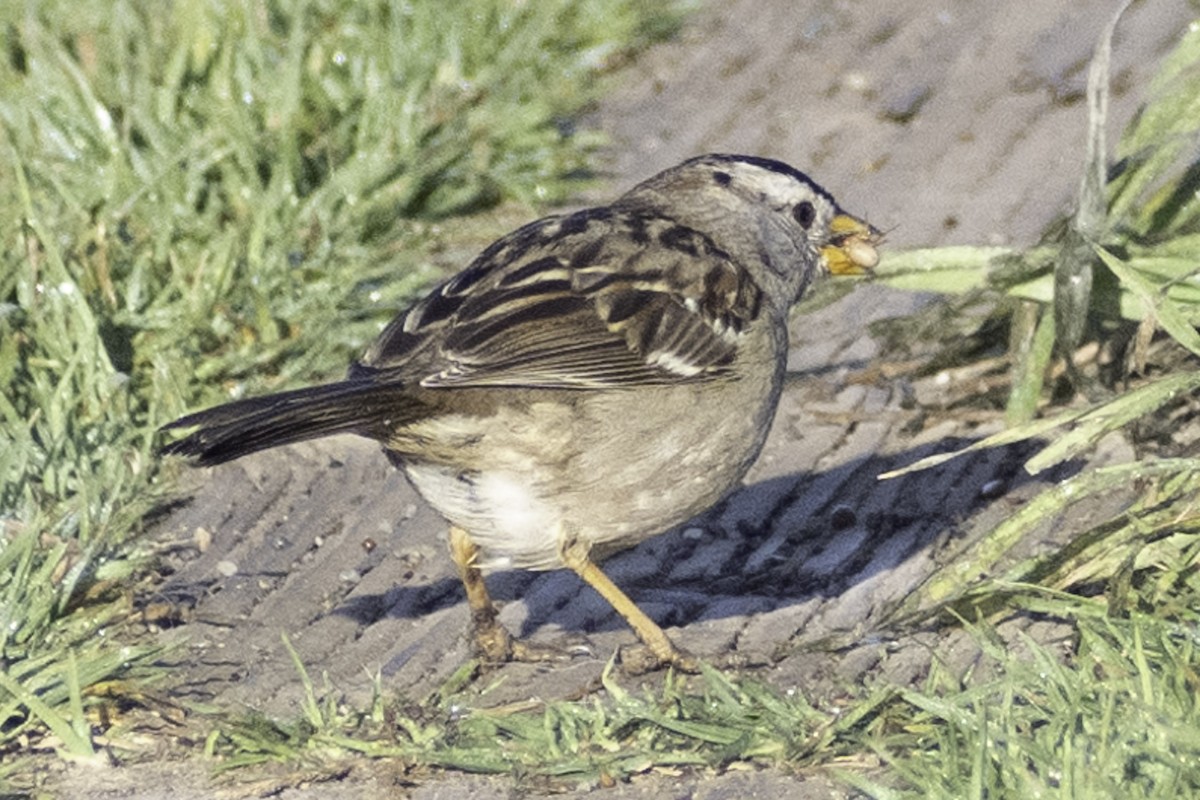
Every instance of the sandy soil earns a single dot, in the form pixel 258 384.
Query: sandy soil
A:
pixel 942 122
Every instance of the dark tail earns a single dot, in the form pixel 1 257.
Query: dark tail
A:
pixel 244 426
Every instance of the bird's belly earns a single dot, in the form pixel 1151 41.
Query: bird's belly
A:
pixel 522 497
pixel 512 525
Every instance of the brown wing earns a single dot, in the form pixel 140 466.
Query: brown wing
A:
pixel 579 301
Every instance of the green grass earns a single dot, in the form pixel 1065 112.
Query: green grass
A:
pixel 1116 714
pixel 1118 717
pixel 231 198
pixel 218 197
pixel 1137 238
pixel 575 744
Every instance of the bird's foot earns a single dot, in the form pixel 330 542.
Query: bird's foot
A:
pixel 497 646
pixel 640 659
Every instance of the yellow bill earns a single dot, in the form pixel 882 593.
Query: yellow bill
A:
pixel 851 249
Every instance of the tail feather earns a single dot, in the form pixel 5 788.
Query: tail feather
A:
pixel 245 426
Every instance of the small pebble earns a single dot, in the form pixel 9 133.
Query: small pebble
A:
pixel 842 517
pixel 203 539
pixel 992 489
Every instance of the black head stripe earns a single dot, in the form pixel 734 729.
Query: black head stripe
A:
pixel 769 164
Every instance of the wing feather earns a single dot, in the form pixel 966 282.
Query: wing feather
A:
pixel 578 301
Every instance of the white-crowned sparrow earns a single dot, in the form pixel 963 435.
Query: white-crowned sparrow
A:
pixel 589 380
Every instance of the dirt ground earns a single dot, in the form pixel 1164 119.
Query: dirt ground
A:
pixel 942 123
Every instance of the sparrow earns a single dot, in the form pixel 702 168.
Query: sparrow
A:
pixel 588 381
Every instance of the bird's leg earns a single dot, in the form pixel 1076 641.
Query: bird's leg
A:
pixel 493 640
pixel 490 636
pixel 662 650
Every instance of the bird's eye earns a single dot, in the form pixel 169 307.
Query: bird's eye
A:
pixel 804 213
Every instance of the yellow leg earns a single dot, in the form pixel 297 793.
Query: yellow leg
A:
pixel 575 556
pixel 494 642
pixel 491 637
